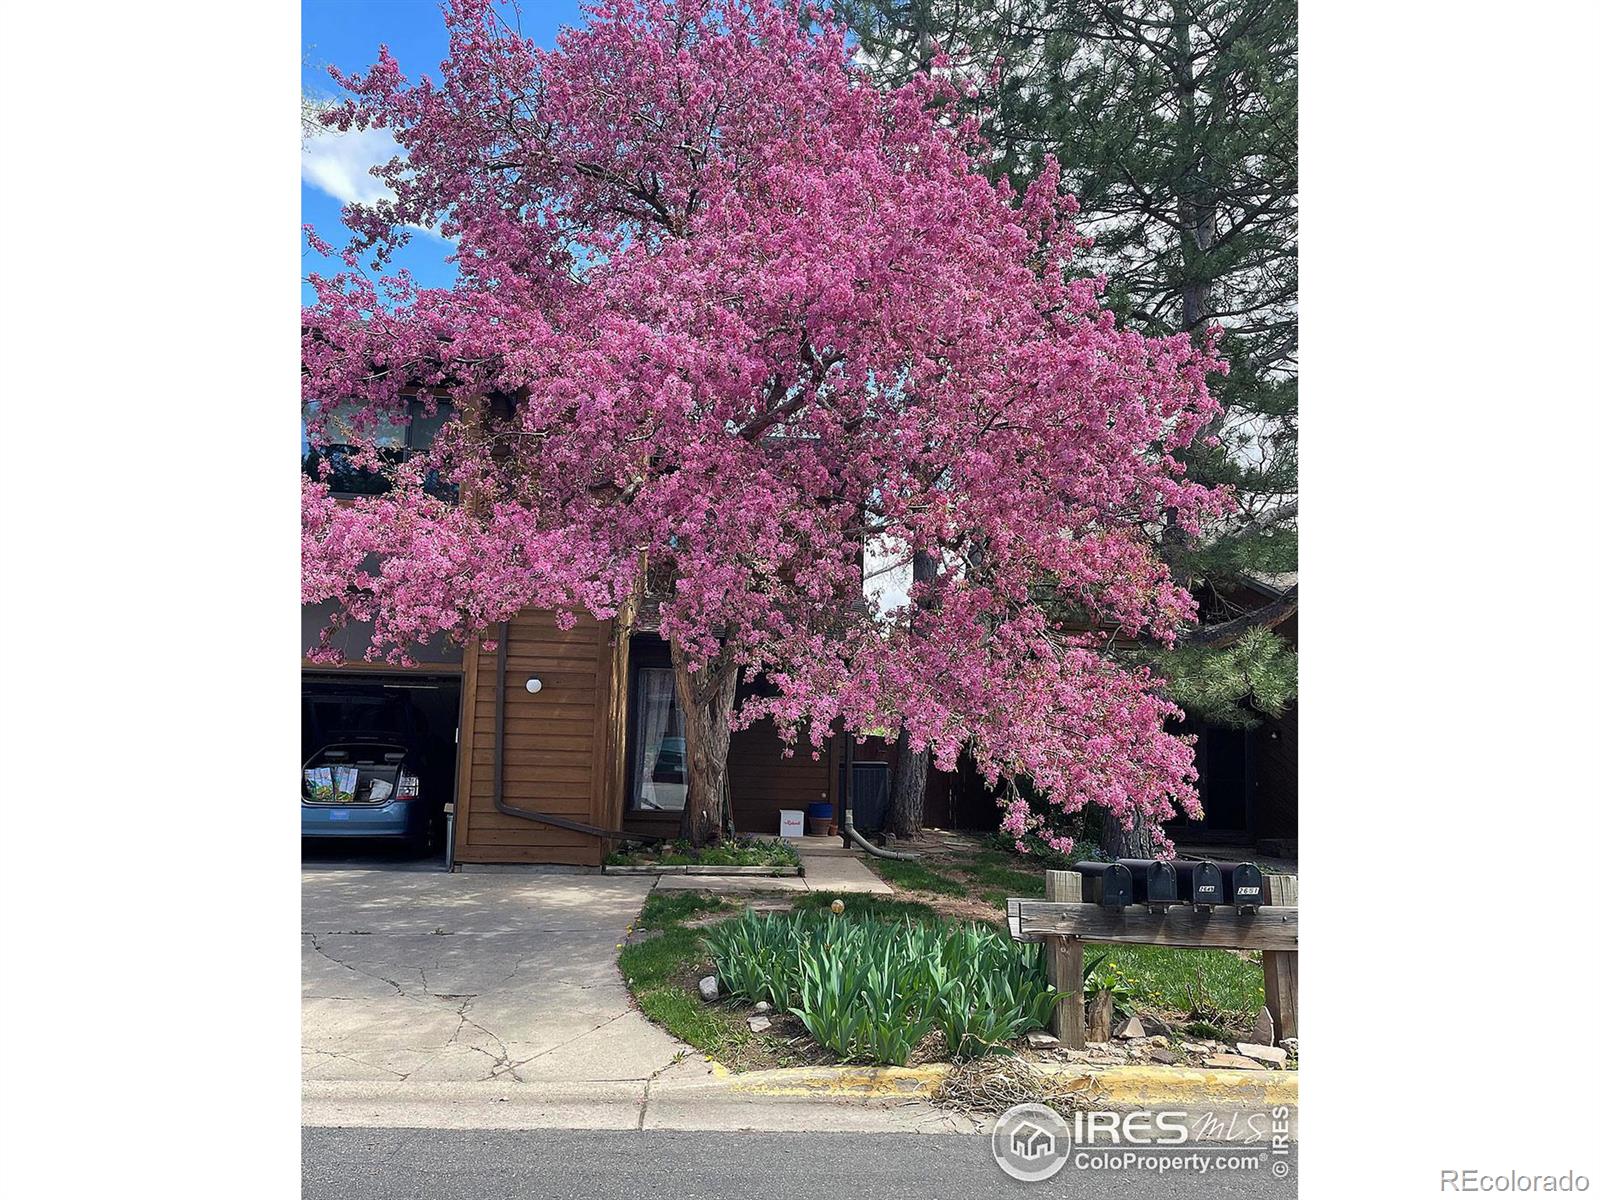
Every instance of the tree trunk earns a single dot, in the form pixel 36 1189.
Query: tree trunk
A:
pixel 1101 1011
pixel 1196 199
pixel 911 774
pixel 1128 843
pixel 910 790
pixel 706 698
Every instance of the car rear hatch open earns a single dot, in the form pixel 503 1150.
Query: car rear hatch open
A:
pixel 353 774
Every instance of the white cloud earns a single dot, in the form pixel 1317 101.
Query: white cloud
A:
pixel 340 163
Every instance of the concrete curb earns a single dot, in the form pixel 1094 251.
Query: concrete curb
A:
pixel 699 1094
pixel 664 1103
pixel 1118 1087
pixel 711 871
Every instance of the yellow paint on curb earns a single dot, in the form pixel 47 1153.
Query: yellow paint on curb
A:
pixel 861 1082
pixel 1153 1087
pixel 1119 1087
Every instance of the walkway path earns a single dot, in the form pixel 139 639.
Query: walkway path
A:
pixel 829 868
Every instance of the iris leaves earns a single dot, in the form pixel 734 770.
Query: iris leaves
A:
pixel 872 990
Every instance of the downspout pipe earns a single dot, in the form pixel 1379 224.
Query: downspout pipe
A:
pixel 528 814
pixel 851 833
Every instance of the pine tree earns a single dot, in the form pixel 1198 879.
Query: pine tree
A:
pixel 1175 125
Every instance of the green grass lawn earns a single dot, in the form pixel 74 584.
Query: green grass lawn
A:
pixel 994 875
pixel 916 877
pixel 1162 977
pixel 864 904
pixel 665 909
pixel 654 969
pixel 1206 982
pixel 987 874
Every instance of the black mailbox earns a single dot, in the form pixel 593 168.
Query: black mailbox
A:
pixel 1107 884
pixel 1154 883
pixel 1241 883
pixel 1199 882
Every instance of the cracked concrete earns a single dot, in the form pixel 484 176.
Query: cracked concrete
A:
pixel 492 1001
pixel 457 978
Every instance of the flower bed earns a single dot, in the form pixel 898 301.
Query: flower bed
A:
pixel 683 936
pixel 740 853
pixel 874 990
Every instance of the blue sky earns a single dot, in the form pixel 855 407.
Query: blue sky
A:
pixel 333 167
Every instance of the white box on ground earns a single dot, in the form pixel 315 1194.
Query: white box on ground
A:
pixel 791 822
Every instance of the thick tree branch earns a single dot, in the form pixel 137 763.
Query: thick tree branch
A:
pixel 1268 616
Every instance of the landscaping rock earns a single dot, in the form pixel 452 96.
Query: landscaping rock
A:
pixel 1266 1054
pixel 1235 1062
pixel 1263 1033
pixel 759 1024
pixel 1162 1055
pixel 1131 1028
pixel 708 989
pixel 1196 1048
pixel 762 1006
pixel 1154 1025
pixel 1292 1045
pixel 1040 1040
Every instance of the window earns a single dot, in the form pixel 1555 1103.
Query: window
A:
pixel 660 781
pixel 395 441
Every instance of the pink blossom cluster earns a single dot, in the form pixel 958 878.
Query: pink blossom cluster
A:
pixel 726 309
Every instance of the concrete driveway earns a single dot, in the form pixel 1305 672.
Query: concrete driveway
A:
pixel 429 977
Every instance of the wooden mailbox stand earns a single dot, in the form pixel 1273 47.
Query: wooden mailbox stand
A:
pixel 1064 922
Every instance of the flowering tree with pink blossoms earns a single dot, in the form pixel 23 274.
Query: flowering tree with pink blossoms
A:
pixel 728 314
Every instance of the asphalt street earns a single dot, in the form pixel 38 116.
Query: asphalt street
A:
pixel 558 1164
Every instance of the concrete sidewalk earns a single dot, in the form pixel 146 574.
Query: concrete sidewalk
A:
pixel 429 977
pixel 829 867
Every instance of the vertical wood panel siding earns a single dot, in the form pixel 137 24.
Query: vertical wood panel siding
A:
pixel 761 781
pixel 565 750
pixel 559 743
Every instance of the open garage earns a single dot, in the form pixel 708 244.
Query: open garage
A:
pixel 379 763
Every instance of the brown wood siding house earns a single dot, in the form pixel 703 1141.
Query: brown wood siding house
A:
pixel 564 747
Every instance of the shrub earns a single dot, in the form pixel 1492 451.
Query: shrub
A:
pixel 874 989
